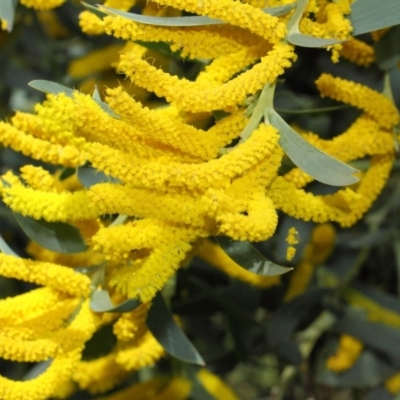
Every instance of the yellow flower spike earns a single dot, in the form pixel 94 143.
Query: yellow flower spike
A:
pixel 237 14
pixel 213 254
pixel 346 355
pixel 65 206
pixel 392 384
pixel 84 259
pixel 315 253
pixel 99 375
pixel 42 4
pixel 90 23
pixel 198 97
pixel 145 280
pixel 375 104
pixel 111 199
pixel 141 352
pixel 369 188
pixel 29 123
pixel 40 179
pixel 258 222
pixel 42 273
pixel 215 173
pixel 128 324
pixel 215 386
pixel 37 300
pixel 34 324
pixel 358 52
pixel 192 42
pixel 292 240
pixel 39 149
pixel 51 344
pixel 141 391
pixel 178 389
pixel 45 384
pixel 199 144
pixel 94 62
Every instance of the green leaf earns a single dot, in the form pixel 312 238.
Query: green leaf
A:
pixel 96 94
pixel 6 249
pixel 285 320
pixel 160 47
pixel 66 173
pixel 56 236
pixel 50 87
pixel 7 12
pixel 164 328
pixel 319 165
pixel 184 21
pixel 387 49
pixel 101 302
pixel 89 176
pixel 248 257
pixel 56 88
pixel 294 35
pixel 199 392
pixel 370 15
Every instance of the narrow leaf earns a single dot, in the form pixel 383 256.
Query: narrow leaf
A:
pixel 294 35
pixel 184 21
pixel 319 165
pixel 89 176
pixel 7 12
pixel 6 249
pixel 164 328
pixel 371 15
pixel 101 302
pixel 50 87
pixel 96 94
pixel 285 320
pixel 387 49
pixel 248 257
pixel 56 236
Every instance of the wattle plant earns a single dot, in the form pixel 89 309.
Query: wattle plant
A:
pixel 200 167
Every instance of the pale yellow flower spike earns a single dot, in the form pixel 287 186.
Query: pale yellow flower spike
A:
pixel 38 149
pixel 214 385
pixel 40 179
pixel 213 254
pixel 178 389
pixel 94 62
pixel 42 4
pixel 215 173
pixel 379 107
pixel 242 15
pixel 198 97
pixel 140 391
pixel 392 384
pixel 346 355
pixel 41 273
pixel 358 52
pixel 45 384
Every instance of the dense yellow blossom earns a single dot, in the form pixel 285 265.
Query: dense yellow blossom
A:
pixel 358 52
pixel 375 104
pixel 347 354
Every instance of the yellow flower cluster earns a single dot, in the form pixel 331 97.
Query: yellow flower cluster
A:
pixel 42 4
pixel 176 184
